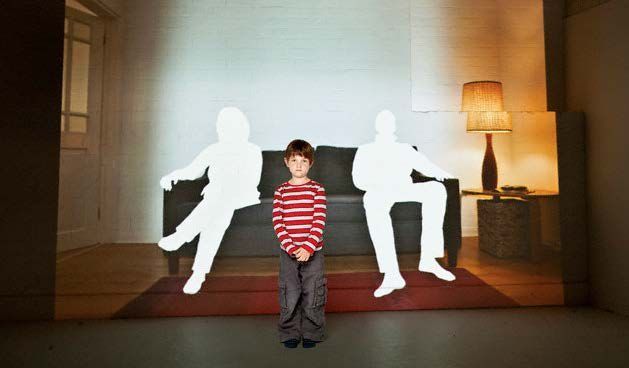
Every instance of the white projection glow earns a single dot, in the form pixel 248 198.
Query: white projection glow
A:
pixel 382 169
pixel 234 168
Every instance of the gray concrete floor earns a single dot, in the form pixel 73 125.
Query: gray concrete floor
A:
pixel 522 337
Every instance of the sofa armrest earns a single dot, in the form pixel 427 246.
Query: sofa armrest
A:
pixel 452 221
pixel 182 192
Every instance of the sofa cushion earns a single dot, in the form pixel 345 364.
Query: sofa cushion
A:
pixel 251 215
pixel 333 169
pixel 341 208
pixel 349 208
pixel 274 172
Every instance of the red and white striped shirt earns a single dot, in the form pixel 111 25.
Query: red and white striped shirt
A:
pixel 299 213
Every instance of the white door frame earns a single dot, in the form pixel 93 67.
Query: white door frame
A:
pixel 80 166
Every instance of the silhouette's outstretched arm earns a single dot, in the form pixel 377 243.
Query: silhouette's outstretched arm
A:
pixel 194 170
pixel 422 164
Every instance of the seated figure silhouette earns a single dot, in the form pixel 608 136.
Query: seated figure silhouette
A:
pixel 234 167
pixel 382 169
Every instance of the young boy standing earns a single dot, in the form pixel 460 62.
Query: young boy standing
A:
pixel 299 212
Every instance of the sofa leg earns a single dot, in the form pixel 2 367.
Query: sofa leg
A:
pixel 173 263
pixel 453 258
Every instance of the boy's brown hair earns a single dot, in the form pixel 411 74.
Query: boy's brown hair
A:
pixel 299 147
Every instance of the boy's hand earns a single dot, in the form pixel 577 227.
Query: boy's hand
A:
pixel 302 255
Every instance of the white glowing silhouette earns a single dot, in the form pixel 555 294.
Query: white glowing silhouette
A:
pixel 234 167
pixel 382 169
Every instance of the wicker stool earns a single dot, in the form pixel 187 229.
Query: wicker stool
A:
pixel 503 227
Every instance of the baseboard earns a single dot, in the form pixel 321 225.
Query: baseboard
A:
pixel 27 307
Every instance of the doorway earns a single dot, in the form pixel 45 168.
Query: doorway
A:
pixel 79 172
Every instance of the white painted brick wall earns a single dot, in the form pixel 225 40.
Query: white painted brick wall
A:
pixel 458 41
pixel 317 70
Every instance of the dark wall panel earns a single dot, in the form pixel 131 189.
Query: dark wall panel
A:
pixel 30 76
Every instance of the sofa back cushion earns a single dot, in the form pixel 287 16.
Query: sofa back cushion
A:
pixel 333 169
pixel 274 172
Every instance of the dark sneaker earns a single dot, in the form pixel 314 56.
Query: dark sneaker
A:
pixel 307 343
pixel 291 344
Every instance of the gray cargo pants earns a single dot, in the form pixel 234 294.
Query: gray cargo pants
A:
pixel 302 297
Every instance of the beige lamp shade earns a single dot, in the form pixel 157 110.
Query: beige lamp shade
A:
pixel 484 103
pixel 482 96
pixel 489 122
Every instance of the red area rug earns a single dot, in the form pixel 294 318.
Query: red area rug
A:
pixel 347 292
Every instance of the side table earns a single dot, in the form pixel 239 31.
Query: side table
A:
pixel 519 209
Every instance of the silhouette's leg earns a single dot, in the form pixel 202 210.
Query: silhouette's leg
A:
pixel 188 228
pixel 381 231
pixel 209 241
pixel 433 197
pixel 377 208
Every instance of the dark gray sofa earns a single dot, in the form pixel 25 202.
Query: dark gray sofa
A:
pixel 346 233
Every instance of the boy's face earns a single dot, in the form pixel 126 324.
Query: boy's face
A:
pixel 298 166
